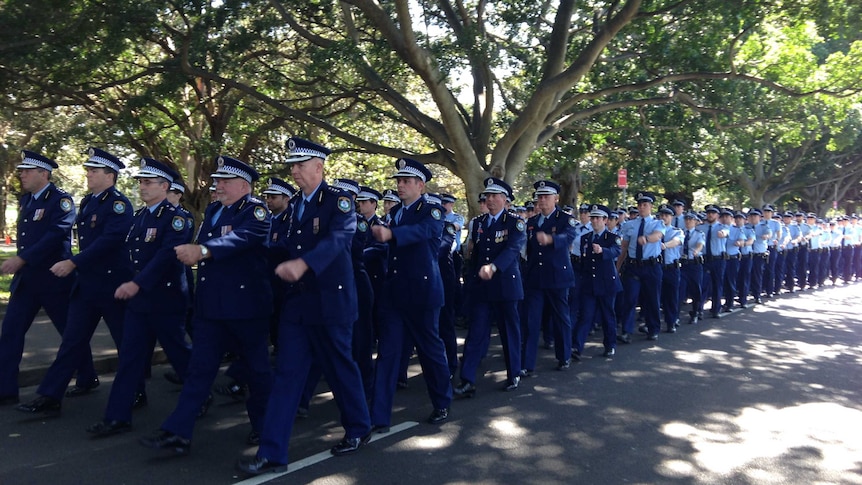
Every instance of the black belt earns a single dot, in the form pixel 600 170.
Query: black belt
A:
pixel 746 256
pixel 687 261
pixel 673 265
pixel 733 256
pixel 575 259
pixel 761 255
pixel 710 257
pixel 643 262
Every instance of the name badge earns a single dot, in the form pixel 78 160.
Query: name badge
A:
pixel 226 229
pixel 315 225
pixel 38 214
pixel 151 234
pixel 93 221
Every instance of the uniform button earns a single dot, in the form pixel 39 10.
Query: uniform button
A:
pixel 241 287
pixel 136 250
pixel 109 271
pixel 137 239
pixel 203 278
pixel 203 263
pixel 136 261
pixel 394 271
pixel 298 246
pixel 394 258
pixel 565 267
pixel 80 238
pixel 540 263
pixel 25 220
pixel 169 283
pixel 339 287
pixel 210 234
pixel 299 231
pixel 424 277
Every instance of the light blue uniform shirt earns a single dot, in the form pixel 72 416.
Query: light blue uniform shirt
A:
pixel 717 245
pixel 748 232
pixel 630 234
pixel 760 244
pixel 695 237
pixel 672 255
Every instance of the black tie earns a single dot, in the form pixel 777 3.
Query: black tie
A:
pixel 639 251
pixel 685 242
pixel 708 241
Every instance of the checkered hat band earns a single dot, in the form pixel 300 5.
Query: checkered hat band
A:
pixel 96 160
pixel 546 191
pixel 391 198
pixel 35 163
pixel 366 196
pixel 226 171
pixel 277 190
pixel 154 172
pixel 493 188
pixel 350 188
pixel 179 188
pixel 306 152
pixel 433 200
pixel 409 171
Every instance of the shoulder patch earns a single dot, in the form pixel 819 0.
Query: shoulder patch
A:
pixel 344 204
pixel 572 222
pixel 362 226
pixel 619 241
pixel 178 223
pixel 450 228
pixel 66 204
pixel 521 226
pixel 190 223
pixel 119 206
pixel 259 213
pixel 256 200
pixel 435 213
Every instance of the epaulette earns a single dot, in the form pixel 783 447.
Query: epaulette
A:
pixel 333 189
pixel 255 200
pixel 117 193
pixel 142 209
pixel 104 196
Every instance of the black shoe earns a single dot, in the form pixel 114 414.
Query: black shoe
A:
pixel 173 378
pixel 758 301
pixel 466 389
pixel 439 416
pixel 108 428
pixel 42 404
pixel 714 315
pixel 643 329
pixel 527 373
pixel 512 384
pixel 379 429
pixel 253 438
pixel 350 445
pixel 302 412
pixel 140 400
pixel 8 400
pixel 205 408
pixel 671 329
pixel 401 385
pixel 625 338
pixel 652 336
pixel 259 466
pixel 166 440
pixel 676 323
pixel 576 356
pixel 609 353
pixel 562 365
pixel 233 390
pixel 77 391
pixel 693 320
pixel 549 345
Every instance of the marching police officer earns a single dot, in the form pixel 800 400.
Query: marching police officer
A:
pixel 45 217
pixel 102 264
pixel 671 246
pixel 691 267
pixel 495 247
pixel 318 328
pixel 157 295
pixel 412 297
pixel 233 301
pixel 714 255
pixel 641 269
pixel 548 277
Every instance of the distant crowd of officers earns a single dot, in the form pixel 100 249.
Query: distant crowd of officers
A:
pixel 315 272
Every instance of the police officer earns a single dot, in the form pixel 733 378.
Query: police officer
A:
pixel 600 282
pixel 582 227
pixel 390 199
pixel 375 254
pixel 791 251
pixel 102 264
pixel 641 269
pixel 691 267
pixel 815 249
pixel 671 247
pixel 759 252
pixel 157 295
pixel 412 297
pixel 769 288
pixel 495 246
pixel 714 257
pixel 45 218
pixel 446 262
pixel 321 296
pixel 550 234
pixel 743 280
pixel 733 249
pixel 233 301
pixel 678 221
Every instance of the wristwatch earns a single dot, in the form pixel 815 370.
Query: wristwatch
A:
pixel 204 252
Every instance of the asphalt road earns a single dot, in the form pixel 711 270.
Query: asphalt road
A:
pixel 769 395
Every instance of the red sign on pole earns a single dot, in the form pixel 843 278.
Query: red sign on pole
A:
pixel 622 179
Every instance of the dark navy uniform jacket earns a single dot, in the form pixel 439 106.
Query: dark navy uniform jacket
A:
pixel 233 283
pixel 375 254
pixel 323 238
pixel 599 271
pixel 277 252
pixel 501 245
pixel 161 276
pixel 360 242
pixel 549 267
pixel 44 236
pixel 414 278
pixel 103 263
pixel 190 234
